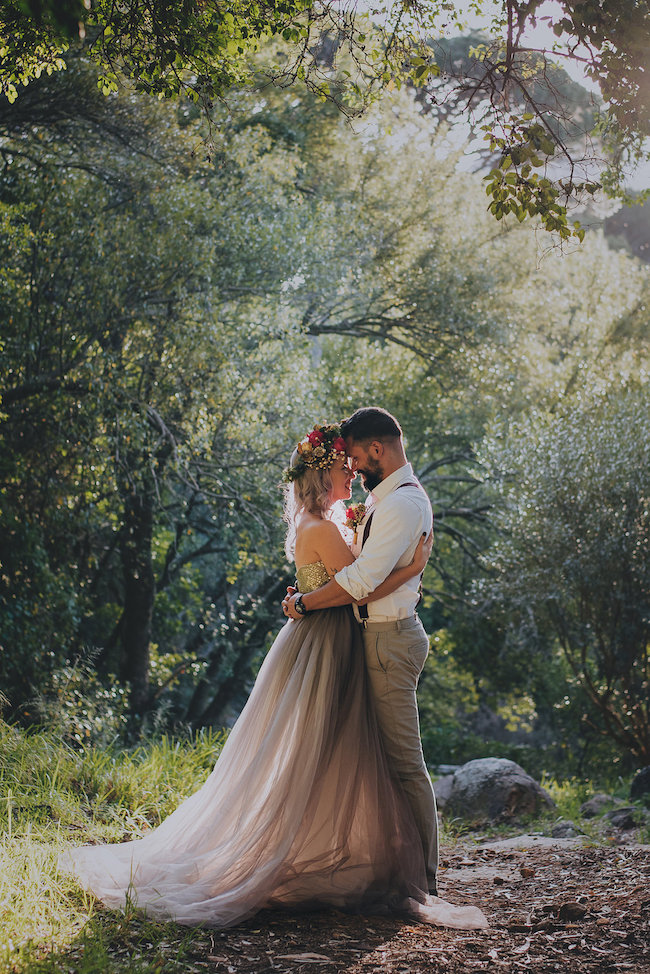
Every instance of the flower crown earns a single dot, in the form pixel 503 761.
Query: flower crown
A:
pixel 320 449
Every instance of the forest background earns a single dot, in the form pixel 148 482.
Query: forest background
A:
pixel 181 298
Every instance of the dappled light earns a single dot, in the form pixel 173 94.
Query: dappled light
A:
pixel 224 227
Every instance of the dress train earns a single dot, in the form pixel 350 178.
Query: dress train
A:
pixel 299 812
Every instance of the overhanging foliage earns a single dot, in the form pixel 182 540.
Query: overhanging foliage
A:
pixel 201 50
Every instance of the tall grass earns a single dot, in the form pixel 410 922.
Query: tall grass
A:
pixel 51 796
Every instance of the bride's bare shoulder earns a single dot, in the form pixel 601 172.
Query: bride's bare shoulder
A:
pixel 332 549
pixel 318 539
pixel 315 530
pixel 317 527
pixel 307 525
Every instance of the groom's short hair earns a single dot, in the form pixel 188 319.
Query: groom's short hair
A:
pixel 371 423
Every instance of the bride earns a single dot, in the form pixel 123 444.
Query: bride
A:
pixel 300 810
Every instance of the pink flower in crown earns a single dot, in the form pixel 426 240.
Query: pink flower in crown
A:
pixel 315 437
pixel 339 445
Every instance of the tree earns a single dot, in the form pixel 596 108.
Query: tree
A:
pixel 202 50
pixel 171 326
pixel 573 562
pixel 131 402
pixel 520 94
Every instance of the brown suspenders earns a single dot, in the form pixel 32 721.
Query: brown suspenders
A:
pixel 363 609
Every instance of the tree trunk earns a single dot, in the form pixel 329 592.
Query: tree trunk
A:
pixel 139 593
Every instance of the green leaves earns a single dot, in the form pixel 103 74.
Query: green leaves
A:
pixel 201 51
pixel 573 564
pixel 421 69
pixel 516 188
pixel 18 67
pixel 141 371
pixel 159 314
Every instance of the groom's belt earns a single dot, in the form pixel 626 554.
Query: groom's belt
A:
pixel 391 625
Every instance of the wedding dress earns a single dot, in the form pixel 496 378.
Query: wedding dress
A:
pixel 300 810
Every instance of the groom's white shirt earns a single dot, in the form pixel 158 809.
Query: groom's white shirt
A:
pixel 400 518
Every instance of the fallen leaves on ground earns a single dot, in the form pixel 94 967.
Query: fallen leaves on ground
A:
pixel 559 909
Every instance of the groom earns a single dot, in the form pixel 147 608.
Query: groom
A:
pixel 396 645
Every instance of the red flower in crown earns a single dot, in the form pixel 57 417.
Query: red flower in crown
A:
pixel 322 447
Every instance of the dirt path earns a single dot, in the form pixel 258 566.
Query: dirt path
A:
pixel 553 905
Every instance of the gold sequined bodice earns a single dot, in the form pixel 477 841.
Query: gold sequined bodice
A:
pixel 311 576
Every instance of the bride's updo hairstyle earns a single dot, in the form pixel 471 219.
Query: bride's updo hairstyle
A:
pixel 308 479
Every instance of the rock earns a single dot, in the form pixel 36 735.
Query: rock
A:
pixel 623 818
pixel 565 830
pixel 596 805
pixel 494 789
pixel 572 911
pixel 442 789
pixel 640 784
pixel 447 768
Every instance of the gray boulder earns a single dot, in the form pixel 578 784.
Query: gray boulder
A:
pixel 493 789
pixel 623 818
pixel 640 786
pixel 565 830
pixel 597 805
pixel 443 788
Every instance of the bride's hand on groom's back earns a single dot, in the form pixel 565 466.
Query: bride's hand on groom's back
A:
pixel 422 552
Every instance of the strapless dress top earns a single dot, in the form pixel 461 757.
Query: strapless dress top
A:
pixel 312 576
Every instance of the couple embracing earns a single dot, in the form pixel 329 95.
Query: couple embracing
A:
pixel 320 796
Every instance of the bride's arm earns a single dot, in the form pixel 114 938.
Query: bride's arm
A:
pixel 400 575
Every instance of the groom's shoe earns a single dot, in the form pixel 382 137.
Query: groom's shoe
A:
pixel 433 886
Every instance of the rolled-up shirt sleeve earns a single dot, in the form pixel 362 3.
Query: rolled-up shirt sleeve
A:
pixel 397 525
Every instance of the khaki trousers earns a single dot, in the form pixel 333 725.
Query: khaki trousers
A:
pixel 394 659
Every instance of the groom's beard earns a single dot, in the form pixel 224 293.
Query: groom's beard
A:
pixel 371 475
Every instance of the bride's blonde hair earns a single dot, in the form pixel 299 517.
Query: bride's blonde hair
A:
pixel 308 493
